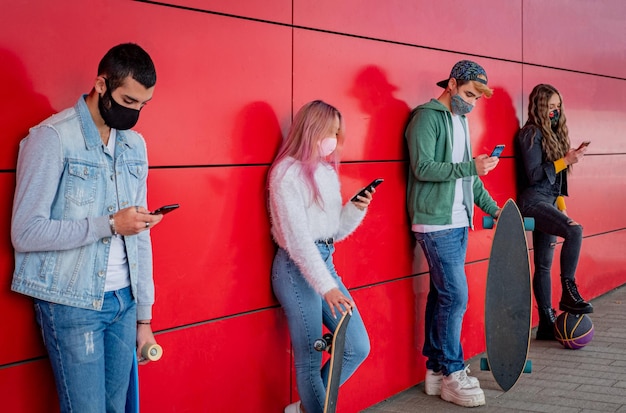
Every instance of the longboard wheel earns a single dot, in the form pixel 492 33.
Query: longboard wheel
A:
pixel 529 224
pixel 528 367
pixel 152 352
pixel 484 364
pixel 488 222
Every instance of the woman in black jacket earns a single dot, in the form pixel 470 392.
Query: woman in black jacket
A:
pixel 544 160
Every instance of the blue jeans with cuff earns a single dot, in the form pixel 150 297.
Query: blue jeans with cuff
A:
pixel 447 298
pixel 91 352
pixel 306 311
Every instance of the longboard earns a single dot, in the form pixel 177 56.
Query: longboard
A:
pixel 508 300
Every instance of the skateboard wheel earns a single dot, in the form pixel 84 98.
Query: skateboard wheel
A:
pixel 529 224
pixel 320 344
pixel 152 352
pixel 488 222
pixel 484 364
pixel 528 367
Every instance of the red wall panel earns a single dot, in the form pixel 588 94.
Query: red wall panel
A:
pixel 576 35
pixel 212 257
pixel 487 28
pixel 237 364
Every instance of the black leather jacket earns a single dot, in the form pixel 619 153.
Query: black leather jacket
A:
pixel 537 179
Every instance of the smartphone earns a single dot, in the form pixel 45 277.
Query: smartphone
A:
pixel 497 151
pixel 368 188
pixel 582 145
pixel 165 209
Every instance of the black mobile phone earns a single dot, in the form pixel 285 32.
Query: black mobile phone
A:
pixel 582 145
pixel 497 151
pixel 165 209
pixel 368 188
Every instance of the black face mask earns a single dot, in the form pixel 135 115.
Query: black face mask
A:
pixel 115 115
pixel 554 118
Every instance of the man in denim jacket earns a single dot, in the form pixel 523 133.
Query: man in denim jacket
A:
pixel 80 230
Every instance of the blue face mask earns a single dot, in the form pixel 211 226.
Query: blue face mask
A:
pixel 459 106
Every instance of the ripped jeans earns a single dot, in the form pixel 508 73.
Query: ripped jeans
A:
pixel 91 351
pixel 550 223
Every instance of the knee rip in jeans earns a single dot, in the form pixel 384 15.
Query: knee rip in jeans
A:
pixel 552 245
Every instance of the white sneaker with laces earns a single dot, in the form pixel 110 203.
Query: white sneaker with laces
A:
pixel 432 381
pixel 459 389
pixel 294 408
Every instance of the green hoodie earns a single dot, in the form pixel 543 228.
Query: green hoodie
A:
pixel 432 175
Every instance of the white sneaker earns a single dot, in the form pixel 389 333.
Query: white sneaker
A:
pixel 459 389
pixel 294 408
pixel 432 381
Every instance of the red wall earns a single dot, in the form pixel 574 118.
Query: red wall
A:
pixel 230 76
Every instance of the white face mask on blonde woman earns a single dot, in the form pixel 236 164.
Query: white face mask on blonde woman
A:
pixel 328 145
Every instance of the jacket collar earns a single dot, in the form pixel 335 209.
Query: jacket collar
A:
pixel 89 129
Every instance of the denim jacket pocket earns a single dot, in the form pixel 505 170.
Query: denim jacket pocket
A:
pixel 81 182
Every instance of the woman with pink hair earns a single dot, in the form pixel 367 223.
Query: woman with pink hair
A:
pixel 308 218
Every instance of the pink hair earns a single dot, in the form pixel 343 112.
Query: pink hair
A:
pixel 313 122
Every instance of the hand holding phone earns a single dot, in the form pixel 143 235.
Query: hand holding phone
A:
pixel 582 145
pixel 165 209
pixel 368 188
pixel 497 151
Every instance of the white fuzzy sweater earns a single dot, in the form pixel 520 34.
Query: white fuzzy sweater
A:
pixel 297 221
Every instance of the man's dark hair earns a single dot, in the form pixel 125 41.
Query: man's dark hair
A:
pixel 127 59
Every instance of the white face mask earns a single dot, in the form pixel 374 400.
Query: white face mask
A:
pixel 328 145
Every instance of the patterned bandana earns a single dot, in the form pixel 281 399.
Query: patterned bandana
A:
pixel 466 70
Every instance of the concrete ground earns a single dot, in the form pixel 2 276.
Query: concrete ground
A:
pixel 592 379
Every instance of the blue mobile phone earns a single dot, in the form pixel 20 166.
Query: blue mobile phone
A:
pixel 497 151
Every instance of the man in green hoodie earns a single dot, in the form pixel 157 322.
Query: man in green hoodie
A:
pixel 443 186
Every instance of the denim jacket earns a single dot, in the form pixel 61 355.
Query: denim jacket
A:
pixel 67 186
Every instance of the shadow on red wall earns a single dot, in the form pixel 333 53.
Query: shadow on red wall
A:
pixel 500 123
pixel 388 115
pixel 21 107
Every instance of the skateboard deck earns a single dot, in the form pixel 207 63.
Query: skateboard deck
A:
pixel 132 397
pixel 508 300
pixel 336 342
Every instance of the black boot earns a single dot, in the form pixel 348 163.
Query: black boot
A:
pixel 547 317
pixel 571 301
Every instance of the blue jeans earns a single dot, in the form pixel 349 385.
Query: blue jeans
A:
pixel 306 310
pixel 550 223
pixel 91 352
pixel 447 298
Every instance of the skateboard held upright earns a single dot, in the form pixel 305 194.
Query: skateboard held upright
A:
pixel 334 343
pixel 508 301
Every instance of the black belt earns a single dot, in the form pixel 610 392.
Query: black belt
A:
pixel 327 241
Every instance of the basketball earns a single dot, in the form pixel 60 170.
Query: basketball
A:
pixel 573 331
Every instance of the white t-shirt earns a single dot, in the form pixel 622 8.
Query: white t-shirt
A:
pixel 459 212
pixel 118 275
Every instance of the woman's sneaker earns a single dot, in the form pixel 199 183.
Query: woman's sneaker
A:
pixel 432 381
pixel 459 389
pixel 294 408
